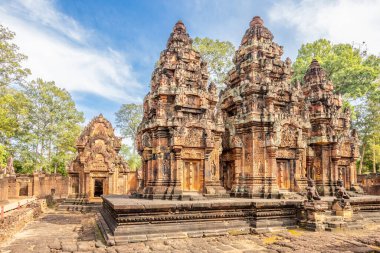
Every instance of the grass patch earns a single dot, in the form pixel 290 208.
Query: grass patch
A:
pixel 270 240
pixel 237 232
pixel 295 232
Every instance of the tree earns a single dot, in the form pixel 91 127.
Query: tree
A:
pixel 351 70
pixel 11 71
pixel 3 157
pixel 128 119
pixel 218 55
pixel 14 108
pixel 356 76
pixel 13 104
pixel 367 123
pixel 48 138
pixel 133 159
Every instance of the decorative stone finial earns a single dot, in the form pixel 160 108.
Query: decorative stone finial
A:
pixel 256 21
pixel 179 27
pixel 315 64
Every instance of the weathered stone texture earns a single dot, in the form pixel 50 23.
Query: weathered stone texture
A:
pixel 180 135
pixel 279 133
pixel 370 183
pixel 264 137
pixel 98 168
pixel 267 125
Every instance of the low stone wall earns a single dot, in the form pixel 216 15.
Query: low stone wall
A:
pixel 38 185
pixel 127 220
pixel 15 220
pixel 3 189
pixel 370 183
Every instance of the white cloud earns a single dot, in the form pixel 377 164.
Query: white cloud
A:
pixel 57 48
pixel 341 21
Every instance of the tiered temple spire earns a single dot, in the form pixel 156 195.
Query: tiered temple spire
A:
pixel 180 135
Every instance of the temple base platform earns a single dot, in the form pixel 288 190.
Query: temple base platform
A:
pixel 123 219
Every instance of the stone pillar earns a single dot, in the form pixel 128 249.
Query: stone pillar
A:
pixel 236 153
pixel 178 173
pixel 36 184
pixel 326 171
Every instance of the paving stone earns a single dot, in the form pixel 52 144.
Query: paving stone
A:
pixel 100 250
pixel 69 246
pixel 86 246
pixel 56 244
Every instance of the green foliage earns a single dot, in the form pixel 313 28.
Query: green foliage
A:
pixel 13 110
pixel 133 159
pixel 134 162
pixel 218 55
pixel 52 127
pixel 367 123
pixel 128 119
pixel 3 156
pixel 11 71
pixel 352 72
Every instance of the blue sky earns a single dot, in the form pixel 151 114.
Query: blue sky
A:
pixel 103 52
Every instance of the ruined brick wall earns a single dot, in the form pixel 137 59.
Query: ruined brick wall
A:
pixel 3 189
pixel 38 185
pixel 370 183
pixel 15 220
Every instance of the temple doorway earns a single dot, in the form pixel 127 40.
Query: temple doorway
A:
pixel 192 175
pixel 284 174
pixel 98 187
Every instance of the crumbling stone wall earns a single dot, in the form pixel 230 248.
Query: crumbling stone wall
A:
pixel 3 189
pixel 38 185
pixel 15 220
pixel 370 183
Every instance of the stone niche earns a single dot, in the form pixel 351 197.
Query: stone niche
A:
pixel 98 168
pixel 179 137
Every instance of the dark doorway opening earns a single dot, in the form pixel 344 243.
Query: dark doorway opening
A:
pixel 98 188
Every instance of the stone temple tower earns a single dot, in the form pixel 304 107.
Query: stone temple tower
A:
pixel 179 137
pixel 333 145
pixel 266 120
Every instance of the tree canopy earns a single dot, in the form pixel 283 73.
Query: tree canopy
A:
pixel 128 119
pixel 39 121
pixel 218 55
pixel 352 71
pixel 11 70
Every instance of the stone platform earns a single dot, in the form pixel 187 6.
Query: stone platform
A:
pixel 126 219
pixel 123 219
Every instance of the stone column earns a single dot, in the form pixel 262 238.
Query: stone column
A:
pixel 178 171
pixel 236 153
pixel 36 184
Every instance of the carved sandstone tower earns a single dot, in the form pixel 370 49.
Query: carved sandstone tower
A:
pixel 333 145
pixel 179 137
pixel 266 119
pixel 98 168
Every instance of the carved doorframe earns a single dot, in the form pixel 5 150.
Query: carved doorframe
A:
pixel 285 169
pixel 192 175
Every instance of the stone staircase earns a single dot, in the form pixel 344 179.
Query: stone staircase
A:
pixel 78 203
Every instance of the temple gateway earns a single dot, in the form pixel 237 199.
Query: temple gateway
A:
pixel 263 137
pixel 98 168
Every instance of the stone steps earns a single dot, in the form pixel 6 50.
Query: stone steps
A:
pixel 79 204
